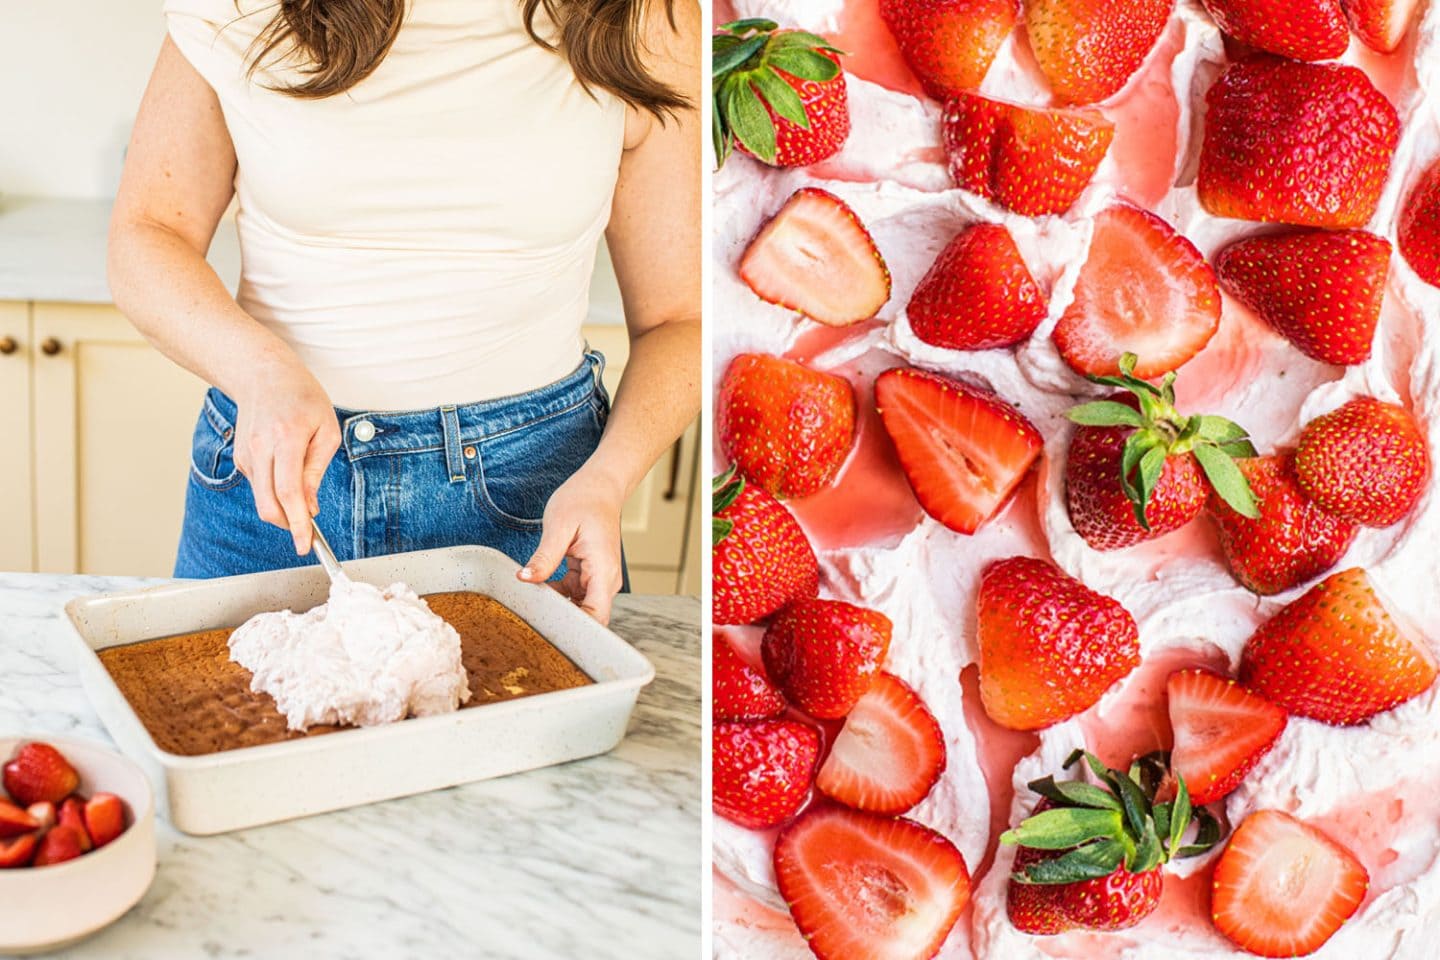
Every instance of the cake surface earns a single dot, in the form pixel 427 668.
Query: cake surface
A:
pixel 193 700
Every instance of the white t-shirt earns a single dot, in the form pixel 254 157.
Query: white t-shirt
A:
pixel 426 237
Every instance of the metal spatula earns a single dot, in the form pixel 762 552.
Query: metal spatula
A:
pixel 322 550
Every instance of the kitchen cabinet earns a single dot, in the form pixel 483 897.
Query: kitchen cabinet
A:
pixel 97 425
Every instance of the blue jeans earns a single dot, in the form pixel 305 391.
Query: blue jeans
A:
pixel 474 474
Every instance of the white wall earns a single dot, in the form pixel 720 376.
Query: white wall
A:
pixel 71 76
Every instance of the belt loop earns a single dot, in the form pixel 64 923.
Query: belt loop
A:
pixel 597 364
pixel 450 424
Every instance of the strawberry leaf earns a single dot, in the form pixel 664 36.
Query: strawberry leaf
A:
pixel 805 64
pixel 1206 837
pixel 1180 818
pixel 1148 852
pixel 781 97
pixel 749 121
pixel 1060 828
pixel 720 528
pixel 1105 413
pixel 731 55
pixel 1075 793
pixel 1227 480
pixel 1151 465
pixel 1239 450
pixel 801 40
pixel 1218 430
pixel 742 27
pixel 1090 862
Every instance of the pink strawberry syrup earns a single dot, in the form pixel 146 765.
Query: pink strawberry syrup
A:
pixel 870 48
pixel 1146 114
pixel 1137 721
pixel 1392 73
pixel 998 749
pixel 1375 827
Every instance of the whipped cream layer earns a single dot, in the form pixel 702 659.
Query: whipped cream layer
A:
pixel 367 656
pixel 1372 787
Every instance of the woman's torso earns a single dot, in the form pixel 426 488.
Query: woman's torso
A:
pixel 428 236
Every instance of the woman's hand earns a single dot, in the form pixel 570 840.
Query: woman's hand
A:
pixel 582 525
pixel 285 436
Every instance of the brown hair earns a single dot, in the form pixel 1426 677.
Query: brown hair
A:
pixel 345 40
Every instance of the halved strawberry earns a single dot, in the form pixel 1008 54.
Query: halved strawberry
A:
pixel 1221 731
pixel 1144 289
pixel 762 770
pixel 963 449
pixel 786 427
pixel 866 887
pixel 1336 654
pixel 824 654
pixel 1298 29
pixel 889 753
pixel 741 691
pixel 59 844
pixel 44 813
pixel 39 772
pixel 978 294
pixel 1028 159
pixel 15 820
pixel 1366 461
pixel 949 44
pixel 1282 888
pixel 1381 24
pixel 1419 229
pixel 1321 289
pixel 18 851
pixel 1049 645
pixel 760 556
pixel 72 815
pixel 104 818
pixel 816 258
pixel 1088 49
pixel 1302 143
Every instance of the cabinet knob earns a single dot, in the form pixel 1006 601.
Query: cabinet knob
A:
pixel 8 346
pixel 50 346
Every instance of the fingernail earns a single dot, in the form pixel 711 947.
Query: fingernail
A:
pixel 526 573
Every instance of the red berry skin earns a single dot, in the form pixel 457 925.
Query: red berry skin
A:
pixel 763 564
pixel 1366 461
pixel 1115 902
pixel 1419 230
pixel 740 690
pixel 978 294
pixel 826 106
pixel 763 770
pixel 824 654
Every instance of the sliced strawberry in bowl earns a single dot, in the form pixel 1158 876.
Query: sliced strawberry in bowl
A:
pixel 60 843
pixel 1381 24
pixel 1282 888
pixel 740 690
pixel 825 654
pixel 760 556
pixel 1366 461
pixel 1419 229
pixel 1089 49
pixel 72 815
pixel 1320 289
pixel 866 887
pixel 1221 731
pixel 888 755
pixel 949 44
pixel 1298 29
pixel 962 448
pixel 978 294
pixel 1337 654
pixel 815 257
pixel 18 851
pixel 104 816
pixel 762 770
pixel 37 773
pixel 1144 289
pixel 16 820
pixel 1031 160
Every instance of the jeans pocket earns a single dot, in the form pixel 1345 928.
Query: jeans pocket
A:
pixel 520 469
pixel 212 449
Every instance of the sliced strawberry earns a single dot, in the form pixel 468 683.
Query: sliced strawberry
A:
pixel 763 770
pixel 60 843
pixel 72 815
pixel 15 820
pixel 1419 229
pixel 866 887
pixel 1088 49
pixel 44 814
pixel 1221 731
pixel 785 426
pixel 889 753
pixel 1298 29
pixel 1144 289
pixel 1336 654
pixel 816 258
pixel 1028 159
pixel 760 557
pixel 1381 24
pixel 824 654
pixel 1321 290
pixel 741 691
pixel 18 851
pixel 104 818
pixel 39 772
pixel 1282 888
pixel 1366 461
pixel 1302 143
pixel 978 294
pixel 963 449
pixel 949 44
pixel 1049 645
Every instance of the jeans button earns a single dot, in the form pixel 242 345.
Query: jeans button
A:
pixel 364 431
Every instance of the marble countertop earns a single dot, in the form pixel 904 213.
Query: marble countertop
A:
pixel 599 858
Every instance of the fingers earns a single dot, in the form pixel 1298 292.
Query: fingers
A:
pixel 260 470
pixel 289 489
pixel 317 460
pixel 555 539
pixel 602 579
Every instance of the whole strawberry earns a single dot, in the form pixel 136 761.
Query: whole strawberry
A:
pixel 786 427
pixel 1320 289
pixel 1027 159
pixel 1298 29
pixel 1088 49
pixel 779 94
pixel 1292 540
pixel 763 770
pixel 949 44
pixel 759 555
pixel 1138 468
pixel 1366 462
pixel 978 294
pixel 740 690
pixel 1302 143
pixel 1049 645
pixel 824 654
pixel 1419 230
pixel 39 773
pixel 1336 654
pixel 1090 856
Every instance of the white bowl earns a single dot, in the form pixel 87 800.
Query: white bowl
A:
pixel 50 907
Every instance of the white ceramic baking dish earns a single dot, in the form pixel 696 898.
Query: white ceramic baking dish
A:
pixel 254 785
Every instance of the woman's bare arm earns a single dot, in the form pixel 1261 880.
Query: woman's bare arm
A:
pixel 178 179
pixel 654 240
